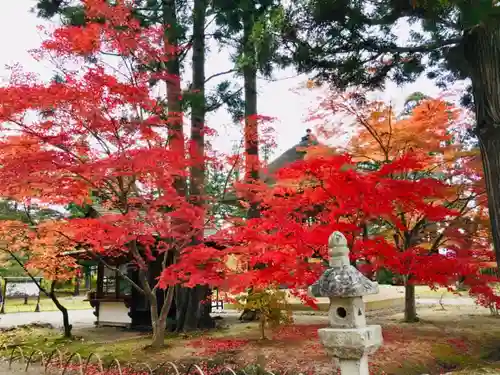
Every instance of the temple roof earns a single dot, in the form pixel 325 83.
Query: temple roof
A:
pixel 293 154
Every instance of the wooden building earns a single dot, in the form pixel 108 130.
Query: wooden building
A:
pixel 115 301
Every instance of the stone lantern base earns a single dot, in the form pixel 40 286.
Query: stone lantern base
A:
pixel 351 346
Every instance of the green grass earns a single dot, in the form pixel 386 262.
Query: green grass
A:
pixel 17 305
pixel 47 340
pixel 107 343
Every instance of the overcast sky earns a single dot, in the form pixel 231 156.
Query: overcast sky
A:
pixel 283 99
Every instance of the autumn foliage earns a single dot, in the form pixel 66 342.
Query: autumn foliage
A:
pixel 439 131
pixel 97 136
pixel 411 205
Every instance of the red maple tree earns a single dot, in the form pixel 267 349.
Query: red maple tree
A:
pixel 311 199
pixel 381 136
pixel 97 136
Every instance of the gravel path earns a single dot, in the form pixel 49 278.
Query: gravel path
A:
pixel 456 301
pixel 86 318
pixel 78 318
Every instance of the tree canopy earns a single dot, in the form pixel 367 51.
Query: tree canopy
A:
pixel 348 43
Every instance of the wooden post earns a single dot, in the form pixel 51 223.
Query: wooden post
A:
pixel 88 277
pixel 76 290
pixel 117 284
pixel 100 280
pixel 99 290
pixel 4 294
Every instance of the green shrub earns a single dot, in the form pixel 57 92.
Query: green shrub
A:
pixel 271 306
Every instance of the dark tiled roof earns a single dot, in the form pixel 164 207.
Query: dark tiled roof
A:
pixel 291 155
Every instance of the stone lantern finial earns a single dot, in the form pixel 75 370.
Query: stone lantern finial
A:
pixel 338 250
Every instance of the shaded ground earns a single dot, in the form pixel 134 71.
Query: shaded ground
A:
pixel 458 338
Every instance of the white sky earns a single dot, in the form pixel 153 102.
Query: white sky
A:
pixel 279 99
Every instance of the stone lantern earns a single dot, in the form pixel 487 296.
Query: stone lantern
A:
pixel 348 338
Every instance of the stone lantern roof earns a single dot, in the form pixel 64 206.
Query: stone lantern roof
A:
pixel 342 279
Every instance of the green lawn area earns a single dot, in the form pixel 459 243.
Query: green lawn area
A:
pixel 71 303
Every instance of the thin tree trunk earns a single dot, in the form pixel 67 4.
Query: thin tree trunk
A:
pixel 262 326
pixel 67 327
pixel 51 294
pixel 481 46
pixel 410 304
pixel 158 325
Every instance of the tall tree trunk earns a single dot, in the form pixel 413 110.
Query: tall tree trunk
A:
pixel 197 151
pixel 194 309
pixel 173 85
pixel 188 300
pixel 175 127
pixel 251 132
pixel 481 46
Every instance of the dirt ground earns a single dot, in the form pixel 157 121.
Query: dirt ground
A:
pixel 459 338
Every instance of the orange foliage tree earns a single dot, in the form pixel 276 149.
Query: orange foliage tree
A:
pixel 34 249
pixel 99 133
pixel 436 130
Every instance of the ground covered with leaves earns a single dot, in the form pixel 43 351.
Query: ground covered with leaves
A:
pixel 463 339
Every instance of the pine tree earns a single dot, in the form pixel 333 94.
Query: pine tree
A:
pixel 352 42
pixel 252 28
